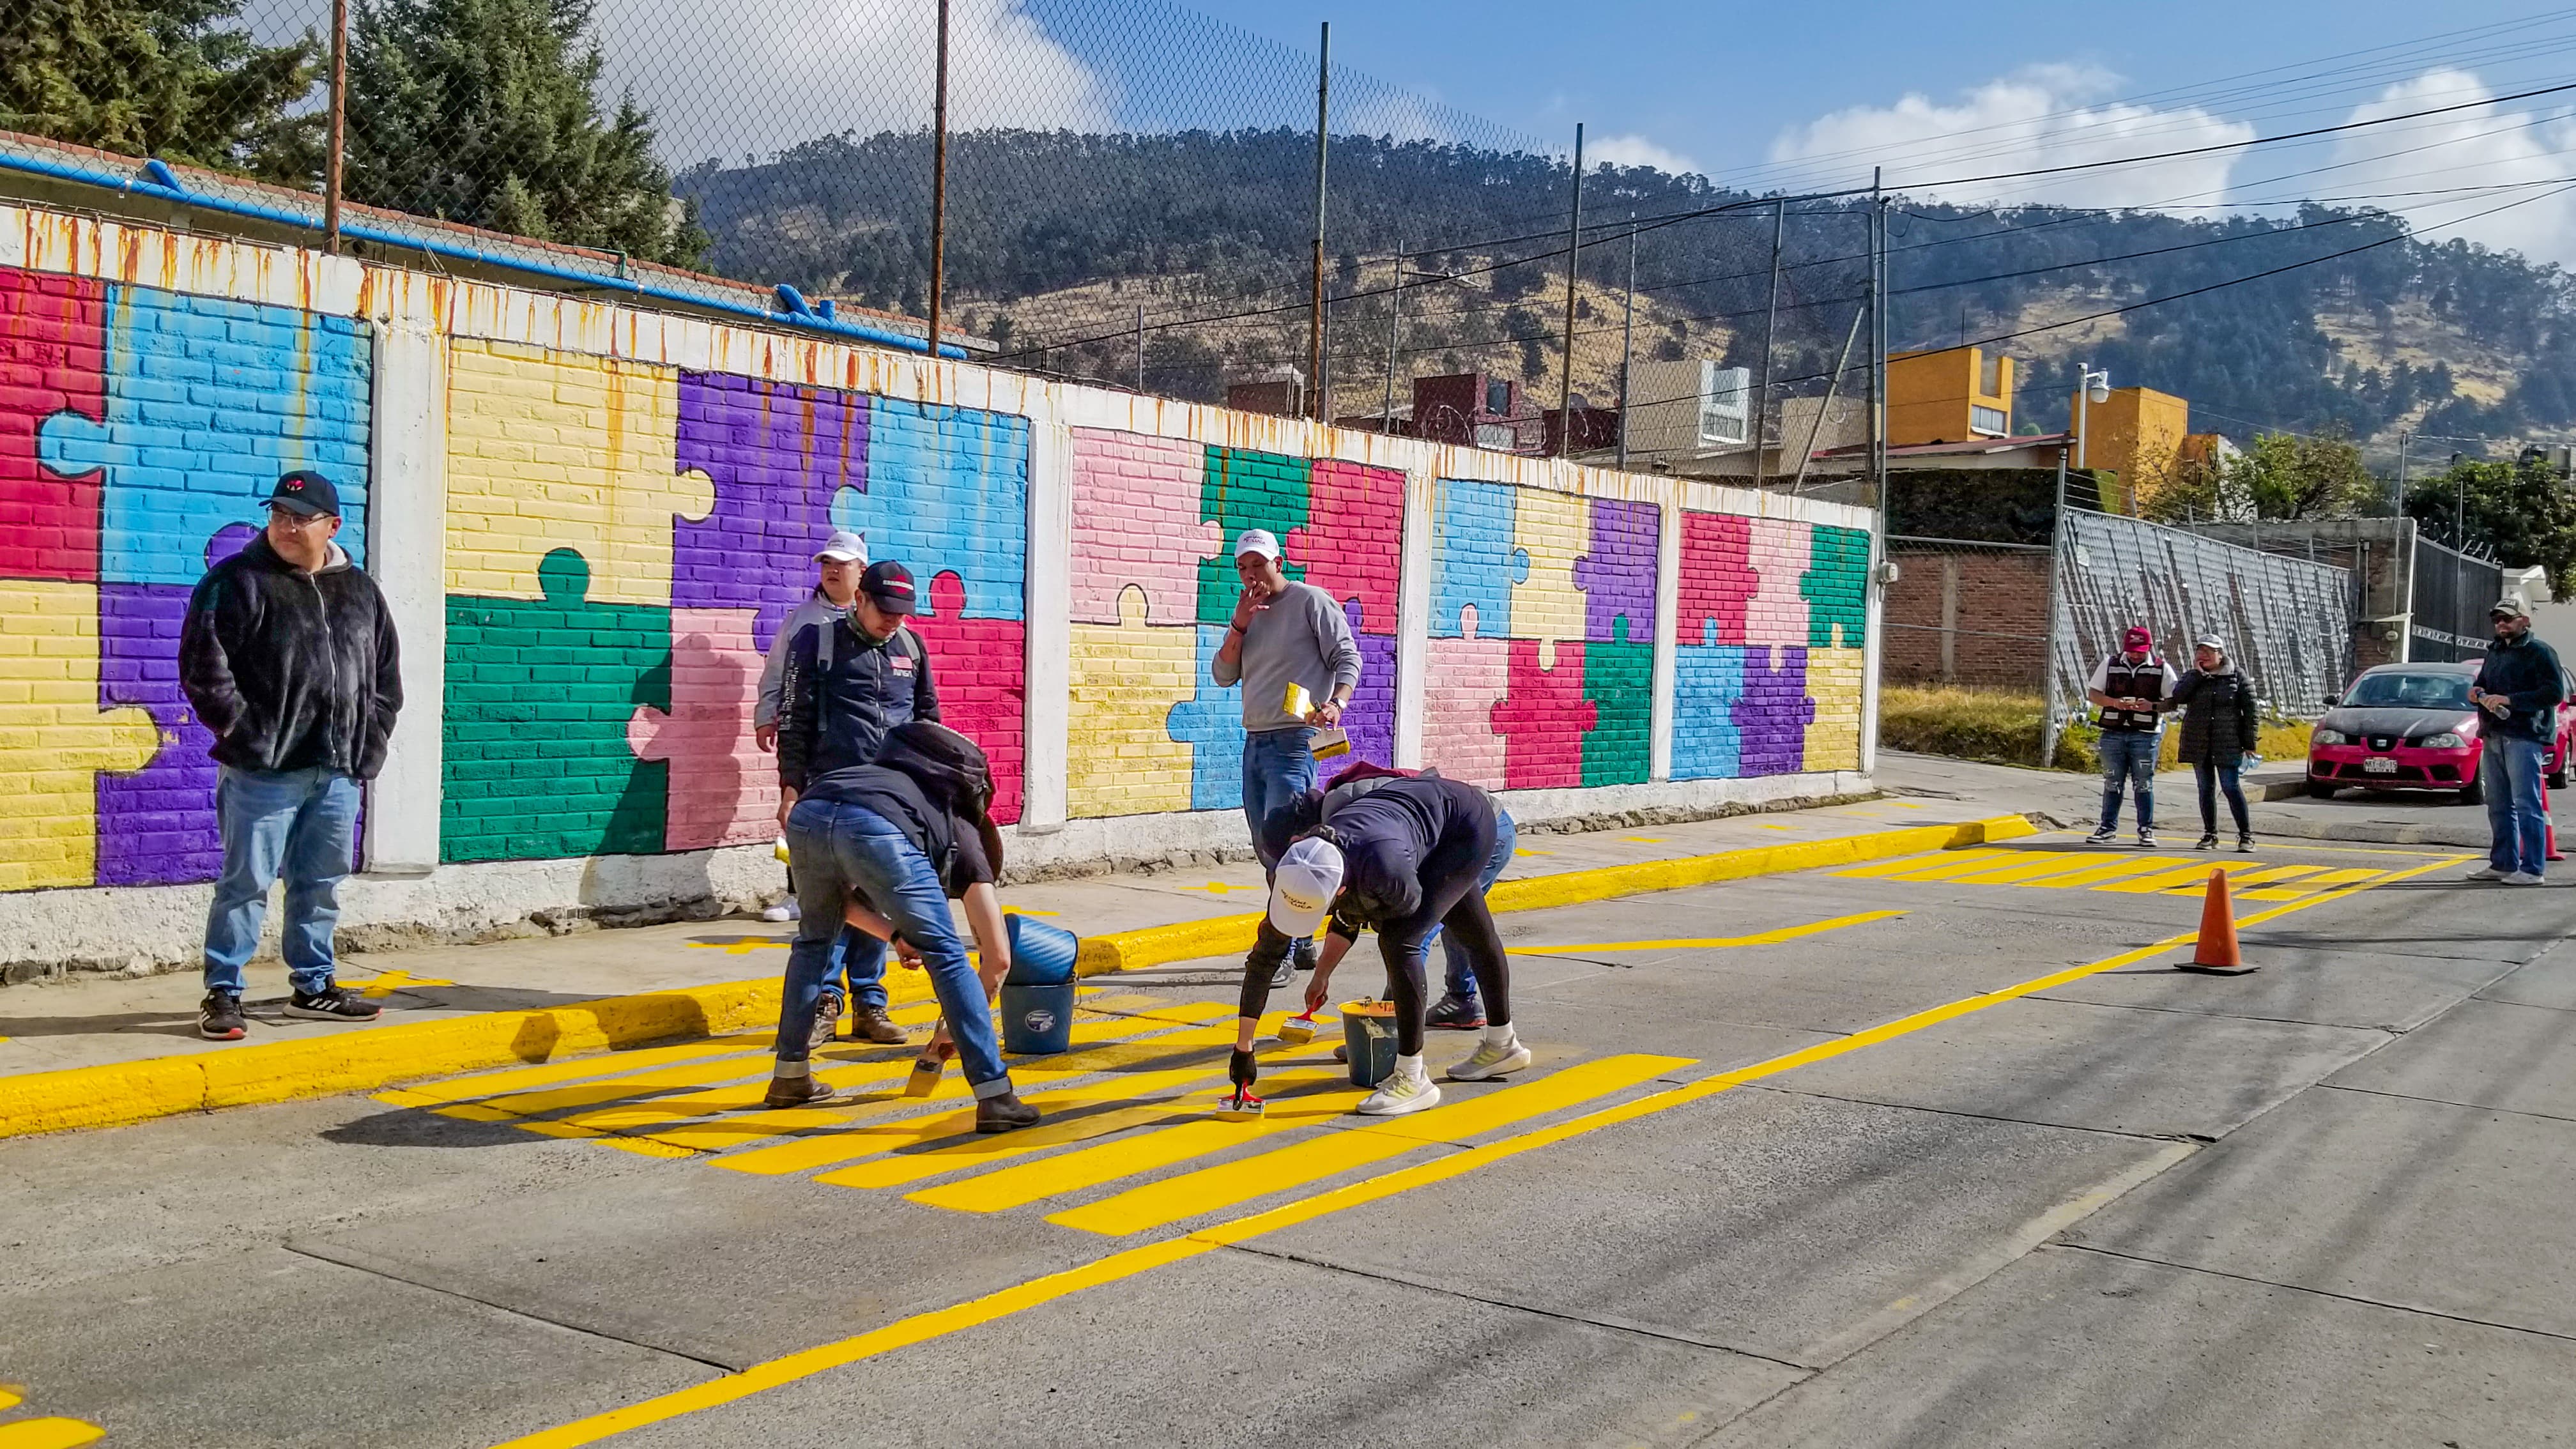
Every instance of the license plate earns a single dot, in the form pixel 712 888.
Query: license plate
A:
pixel 2379 766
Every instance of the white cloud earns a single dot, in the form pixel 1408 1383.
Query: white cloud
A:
pixel 2042 116
pixel 2481 146
pixel 1638 151
pixel 819 67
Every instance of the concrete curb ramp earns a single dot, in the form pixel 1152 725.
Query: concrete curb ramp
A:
pixel 364 1059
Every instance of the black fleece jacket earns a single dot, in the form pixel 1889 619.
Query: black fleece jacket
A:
pixel 291 670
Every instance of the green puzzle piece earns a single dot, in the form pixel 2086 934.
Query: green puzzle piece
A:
pixel 1836 586
pixel 1245 489
pixel 538 697
pixel 1619 679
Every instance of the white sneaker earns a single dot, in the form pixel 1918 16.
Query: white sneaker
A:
pixel 2484 872
pixel 783 911
pixel 1491 1061
pixel 2522 877
pixel 1400 1094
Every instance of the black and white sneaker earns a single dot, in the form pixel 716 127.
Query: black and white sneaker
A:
pixel 332 1003
pixel 219 1017
pixel 1286 975
pixel 2103 836
pixel 2208 840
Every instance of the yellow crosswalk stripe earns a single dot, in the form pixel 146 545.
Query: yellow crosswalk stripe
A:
pixel 49 1434
pixel 2329 881
pixel 1299 1164
pixel 461 1089
pixel 2195 874
pixel 2035 866
pixel 2111 870
pixel 1048 1177
pixel 2274 874
pixel 1906 867
pixel 899 1170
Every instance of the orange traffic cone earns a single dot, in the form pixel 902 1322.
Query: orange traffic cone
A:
pixel 2216 953
pixel 2550 820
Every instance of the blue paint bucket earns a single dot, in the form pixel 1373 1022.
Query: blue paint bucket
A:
pixel 1368 1032
pixel 1037 1021
pixel 1041 955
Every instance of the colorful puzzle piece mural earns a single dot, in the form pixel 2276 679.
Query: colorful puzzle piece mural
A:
pixel 55 739
pixel 773 455
pixel 1468 677
pixel 1717 582
pixel 1245 489
pixel 1474 561
pixel 947 491
pixel 1544 716
pixel 1137 524
pixel 156 826
pixel 53 361
pixel 1122 756
pixel 979 665
pixel 723 790
pixel 1210 722
pixel 1772 714
pixel 1353 544
pixel 1708 681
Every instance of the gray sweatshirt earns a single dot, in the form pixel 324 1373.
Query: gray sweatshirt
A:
pixel 773 671
pixel 1300 637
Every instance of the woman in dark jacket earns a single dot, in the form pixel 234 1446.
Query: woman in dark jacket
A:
pixel 2218 732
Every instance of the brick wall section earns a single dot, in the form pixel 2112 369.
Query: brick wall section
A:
pixel 53 359
pixel 1996 625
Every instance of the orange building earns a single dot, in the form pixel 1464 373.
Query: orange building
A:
pixel 1957 395
pixel 2137 434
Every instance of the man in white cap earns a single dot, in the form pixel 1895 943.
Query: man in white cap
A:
pixel 838 564
pixel 1404 859
pixel 1283 633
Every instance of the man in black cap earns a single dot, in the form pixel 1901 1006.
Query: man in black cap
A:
pixel 848 682
pixel 288 656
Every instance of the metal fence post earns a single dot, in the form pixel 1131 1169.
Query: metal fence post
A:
pixel 2048 635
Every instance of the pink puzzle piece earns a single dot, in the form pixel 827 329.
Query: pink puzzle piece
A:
pixel 1717 577
pixel 1136 522
pixel 1469 676
pixel 979 667
pixel 724 790
pixel 1777 612
pixel 1353 543
pixel 1545 717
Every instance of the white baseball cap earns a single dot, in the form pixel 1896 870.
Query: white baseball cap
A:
pixel 1256 540
pixel 1303 886
pixel 843 547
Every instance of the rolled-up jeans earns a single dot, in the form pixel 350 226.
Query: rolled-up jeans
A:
pixel 2129 756
pixel 840 848
pixel 1461 980
pixel 2517 828
pixel 301 824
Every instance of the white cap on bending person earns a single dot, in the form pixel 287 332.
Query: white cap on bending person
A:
pixel 1303 886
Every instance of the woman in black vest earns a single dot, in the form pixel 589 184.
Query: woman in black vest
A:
pixel 2219 729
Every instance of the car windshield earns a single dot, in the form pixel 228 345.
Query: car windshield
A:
pixel 2410 691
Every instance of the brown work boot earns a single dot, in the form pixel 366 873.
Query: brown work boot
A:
pixel 1005 1113
pixel 800 1092
pixel 870 1023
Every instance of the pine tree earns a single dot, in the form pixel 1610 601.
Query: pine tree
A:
pixel 172 79
pixel 486 112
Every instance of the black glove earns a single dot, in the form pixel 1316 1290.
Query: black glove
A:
pixel 1239 1069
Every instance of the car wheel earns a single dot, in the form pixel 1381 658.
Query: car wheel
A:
pixel 2474 794
pixel 2557 779
pixel 2322 789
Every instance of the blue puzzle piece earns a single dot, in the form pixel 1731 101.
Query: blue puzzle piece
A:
pixel 1474 559
pixel 1708 679
pixel 947 492
pixel 1211 724
pixel 208 401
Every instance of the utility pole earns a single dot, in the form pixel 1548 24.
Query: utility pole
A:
pixel 939 184
pixel 339 126
pixel 1627 338
pixel 1394 334
pixel 1140 347
pixel 1878 345
pixel 1573 255
pixel 1315 321
pixel 2048 661
pixel 2403 439
pixel 1770 326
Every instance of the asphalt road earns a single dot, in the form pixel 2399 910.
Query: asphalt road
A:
pixel 1808 1160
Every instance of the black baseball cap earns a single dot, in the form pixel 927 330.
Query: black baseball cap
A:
pixel 306 492
pixel 889 586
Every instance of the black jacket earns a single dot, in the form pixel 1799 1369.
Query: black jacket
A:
pixel 2527 674
pixel 2221 719
pixel 936 786
pixel 291 670
pixel 842 692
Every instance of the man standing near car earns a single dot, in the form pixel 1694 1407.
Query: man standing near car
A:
pixel 2517 693
pixel 288 656
pixel 2130 688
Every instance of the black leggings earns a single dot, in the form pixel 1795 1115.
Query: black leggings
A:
pixel 1453 900
pixel 2212 778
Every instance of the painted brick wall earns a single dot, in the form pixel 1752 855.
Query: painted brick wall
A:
pixel 1769 660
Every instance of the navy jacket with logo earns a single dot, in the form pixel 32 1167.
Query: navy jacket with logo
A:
pixel 842 693
pixel 2526 672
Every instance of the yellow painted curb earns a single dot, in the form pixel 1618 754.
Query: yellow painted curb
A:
pixel 364 1059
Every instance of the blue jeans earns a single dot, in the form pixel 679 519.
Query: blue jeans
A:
pixel 1277 768
pixel 1461 979
pixel 2208 774
pixel 2130 756
pixel 840 848
pixel 298 823
pixel 2509 771
pixel 858 959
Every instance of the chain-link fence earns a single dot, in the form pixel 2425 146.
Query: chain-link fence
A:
pixel 2287 622
pixel 1965 612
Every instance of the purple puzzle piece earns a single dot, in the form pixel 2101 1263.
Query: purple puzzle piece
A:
pixel 1370 719
pixel 776 453
pixel 1771 715
pixel 157 825
pixel 1617 575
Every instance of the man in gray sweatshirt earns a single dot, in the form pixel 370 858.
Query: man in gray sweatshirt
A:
pixel 1283 633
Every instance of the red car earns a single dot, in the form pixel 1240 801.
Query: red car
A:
pixel 2411 727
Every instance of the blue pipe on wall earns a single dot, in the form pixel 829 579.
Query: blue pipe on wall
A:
pixel 163 185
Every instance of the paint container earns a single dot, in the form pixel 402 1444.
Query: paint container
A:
pixel 780 850
pixel 1297 702
pixel 1329 744
pixel 1368 1030
pixel 1037 1021
pixel 1041 955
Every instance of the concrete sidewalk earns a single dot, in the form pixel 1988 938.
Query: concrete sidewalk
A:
pixel 90 1021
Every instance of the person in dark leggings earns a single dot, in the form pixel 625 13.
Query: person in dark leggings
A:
pixel 1401 859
